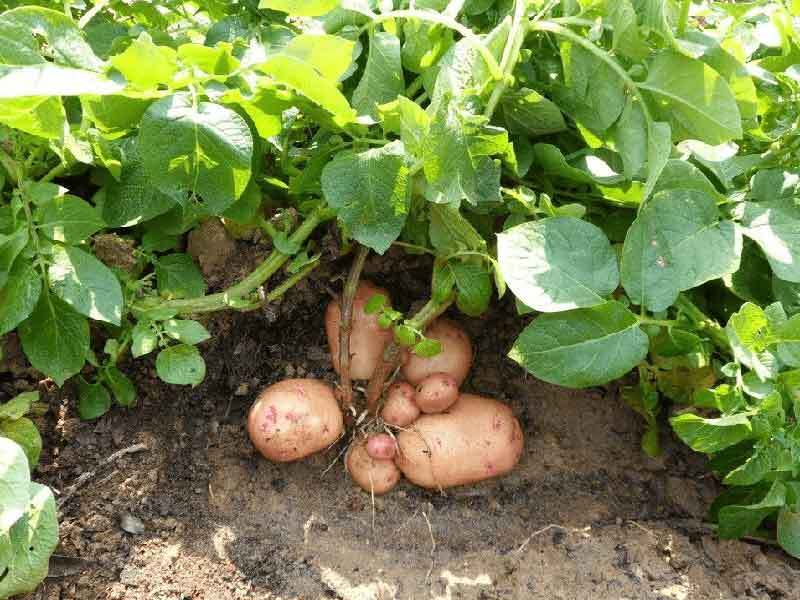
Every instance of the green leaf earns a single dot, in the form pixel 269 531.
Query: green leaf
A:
pixel 450 232
pixel 557 264
pixel 677 242
pixel 18 406
pixel 19 295
pixel 43 117
pixel 31 542
pixel 186 331
pixel 15 477
pixel 179 277
pixel 55 338
pixel 375 304
pixel 683 175
pixel 427 348
pixel 692 97
pixel 69 219
pixel 749 333
pixel 304 79
pixel 114 114
pixel 121 387
pixel 10 248
pixel 736 521
pixel 331 55
pixel 711 435
pixel 370 192
pixel 659 147
pixel 65 42
pixel 146 65
pixel 583 347
pixel 300 8
pixel 527 112
pixel 382 80
pixel 144 339
pixel 24 432
pixel 217 62
pixel 181 365
pixel 47 79
pixel 789 531
pixel 787 293
pixel 93 400
pixel 134 198
pixel 775 226
pixel 592 93
pixel 451 168
pixel 201 147
pixel 86 284
pixel 474 286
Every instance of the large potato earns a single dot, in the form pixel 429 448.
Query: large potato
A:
pixel 478 438
pixel 367 339
pixel 372 475
pixel 294 418
pixel 455 359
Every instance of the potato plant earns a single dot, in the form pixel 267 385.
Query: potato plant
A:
pixel 629 170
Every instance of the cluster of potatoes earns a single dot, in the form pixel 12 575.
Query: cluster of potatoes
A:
pixel 428 431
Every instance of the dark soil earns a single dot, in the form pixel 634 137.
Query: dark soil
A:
pixel 585 515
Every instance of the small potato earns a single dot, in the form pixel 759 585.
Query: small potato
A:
pixel 399 409
pixel 367 339
pixel 454 359
pixel 294 418
pixel 372 475
pixel 436 393
pixel 478 438
pixel 381 446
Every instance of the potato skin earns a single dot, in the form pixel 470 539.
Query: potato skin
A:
pixel 478 438
pixel 294 418
pixel 436 393
pixel 381 446
pixel 455 357
pixel 367 339
pixel 371 475
pixel 400 409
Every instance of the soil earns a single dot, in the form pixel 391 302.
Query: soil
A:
pixel 586 515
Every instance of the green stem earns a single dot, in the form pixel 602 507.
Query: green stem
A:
pixel 630 84
pixel 703 322
pixel 290 282
pixel 56 171
pixel 236 295
pixel 422 249
pixel 658 322
pixel 446 21
pixel 683 19
pixel 510 56
pixel 392 354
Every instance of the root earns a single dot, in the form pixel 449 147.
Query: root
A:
pixel 346 327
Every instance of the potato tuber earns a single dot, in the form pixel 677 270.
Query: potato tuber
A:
pixel 476 439
pixel 436 393
pixel 294 418
pixel 381 446
pixel 372 475
pixel 367 339
pixel 400 409
pixel 454 359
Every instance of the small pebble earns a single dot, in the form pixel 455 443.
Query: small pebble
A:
pixel 131 524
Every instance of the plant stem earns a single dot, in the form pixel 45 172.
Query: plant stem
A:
pixel 290 282
pixel 683 19
pixel 704 323
pixel 510 56
pixel 346 326
pixel 56 171
pixel 392 353
pixel 658 322
pixel 235 296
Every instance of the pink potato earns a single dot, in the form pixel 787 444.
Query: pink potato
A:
pixel 367 339
pixel 436 393
pixel 294 418
pixel 381 446
pixel 400 409
pixel 376 476
pixel 454 359
pixel 477 438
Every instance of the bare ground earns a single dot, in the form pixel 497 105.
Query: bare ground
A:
pixel 586 515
